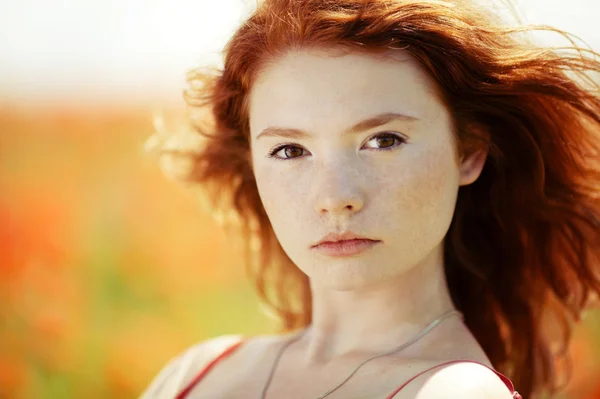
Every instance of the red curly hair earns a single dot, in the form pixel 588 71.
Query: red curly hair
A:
pixel 523 248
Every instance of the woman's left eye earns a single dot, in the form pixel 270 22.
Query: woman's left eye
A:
pixel 387 138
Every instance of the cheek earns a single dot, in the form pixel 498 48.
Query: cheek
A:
pixel 426 197
pixel 431 182
pixel 278 192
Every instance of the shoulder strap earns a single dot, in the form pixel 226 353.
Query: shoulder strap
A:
pixel 230 349
pixel 504 379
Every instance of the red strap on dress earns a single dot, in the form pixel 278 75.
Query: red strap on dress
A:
pixel 505 379
pixel 205 370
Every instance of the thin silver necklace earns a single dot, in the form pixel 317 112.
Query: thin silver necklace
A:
pixel 404 345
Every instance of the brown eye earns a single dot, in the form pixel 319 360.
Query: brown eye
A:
pixel 289 152
pixel 385 141
pixel 292 152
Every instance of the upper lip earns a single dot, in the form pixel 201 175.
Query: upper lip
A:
pixel 346 235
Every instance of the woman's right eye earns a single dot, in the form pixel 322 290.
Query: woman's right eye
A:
pixel 289 152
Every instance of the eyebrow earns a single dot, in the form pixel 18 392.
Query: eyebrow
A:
pixel 365 124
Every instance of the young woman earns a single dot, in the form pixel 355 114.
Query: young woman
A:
pixel 424 186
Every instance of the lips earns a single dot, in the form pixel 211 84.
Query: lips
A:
pixel 344 236
pixel 345 248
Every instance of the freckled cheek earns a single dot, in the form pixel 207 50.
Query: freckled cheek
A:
pixel 427 188
pixel 279 191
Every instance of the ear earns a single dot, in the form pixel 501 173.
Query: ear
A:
pixel 475 150
pixel 471 165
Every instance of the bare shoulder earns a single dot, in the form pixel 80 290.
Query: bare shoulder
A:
pixel 463 380
pixel 180 369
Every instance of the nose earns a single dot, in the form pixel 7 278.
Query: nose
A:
pixel 337 191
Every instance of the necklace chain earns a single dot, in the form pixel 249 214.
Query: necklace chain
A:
pixel 404 345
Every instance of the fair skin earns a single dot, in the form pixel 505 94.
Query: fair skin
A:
pixel 405 197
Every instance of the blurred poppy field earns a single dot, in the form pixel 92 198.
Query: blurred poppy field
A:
pixel 108 268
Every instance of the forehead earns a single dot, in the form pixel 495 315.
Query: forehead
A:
pixel 312 89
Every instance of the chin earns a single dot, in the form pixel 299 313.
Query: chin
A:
pixel 346 276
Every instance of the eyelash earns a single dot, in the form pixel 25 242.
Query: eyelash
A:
pixel 401 139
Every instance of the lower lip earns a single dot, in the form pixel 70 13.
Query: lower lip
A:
pixel 344 248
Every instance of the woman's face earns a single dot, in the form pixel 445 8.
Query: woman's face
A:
pixel 395 179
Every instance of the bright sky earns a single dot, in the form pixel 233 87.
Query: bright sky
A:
pixel 135 49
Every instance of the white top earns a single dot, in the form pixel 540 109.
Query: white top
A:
pixel 181 369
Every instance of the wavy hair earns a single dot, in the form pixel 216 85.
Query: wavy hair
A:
pixel 523 248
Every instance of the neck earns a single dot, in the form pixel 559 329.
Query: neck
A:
pixel 377 318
